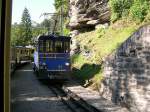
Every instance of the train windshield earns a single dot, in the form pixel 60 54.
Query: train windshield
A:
pixel 59 47
pixel 62 46
pixel 66 47
pixel 51 46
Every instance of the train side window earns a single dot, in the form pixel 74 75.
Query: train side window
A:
pixel 27 52
pixel 41 47
pixel 32 51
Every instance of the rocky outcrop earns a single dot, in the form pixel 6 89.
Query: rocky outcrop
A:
pixel 88 13
pixel 75 46
pixel 127 73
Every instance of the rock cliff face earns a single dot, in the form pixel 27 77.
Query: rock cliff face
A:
pixel 88 13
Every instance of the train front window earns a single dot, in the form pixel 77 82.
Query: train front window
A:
pixel 46 46
pixel 59 47
pixel 66 47
pixel 49 46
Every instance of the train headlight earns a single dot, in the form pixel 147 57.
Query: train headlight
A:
pixel 67 64
pixel 41 67
pixel 43 64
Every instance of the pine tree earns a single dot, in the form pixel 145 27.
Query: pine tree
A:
pixel 26 28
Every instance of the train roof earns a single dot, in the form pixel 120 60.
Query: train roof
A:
pixel 19 46
pixel 23 47
pixel 53 37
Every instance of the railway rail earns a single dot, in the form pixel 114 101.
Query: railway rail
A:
pixel 74 104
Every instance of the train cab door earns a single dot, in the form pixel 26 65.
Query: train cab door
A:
pixel 5 25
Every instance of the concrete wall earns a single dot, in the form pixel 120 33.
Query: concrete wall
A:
pixel 127 73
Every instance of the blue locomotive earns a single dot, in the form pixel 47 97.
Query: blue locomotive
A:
pixel 52 57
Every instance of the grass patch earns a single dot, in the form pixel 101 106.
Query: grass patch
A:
pixel 101 43
pixel 87 71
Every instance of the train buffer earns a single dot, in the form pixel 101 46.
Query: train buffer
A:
pixel 93 99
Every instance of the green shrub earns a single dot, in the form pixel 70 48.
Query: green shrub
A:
pixel 66 32
pixel 101 32
pixel 139 10
pixel 147 18
pixel 59 3
pixel 114 17
pixel 119 8
pixel 136 9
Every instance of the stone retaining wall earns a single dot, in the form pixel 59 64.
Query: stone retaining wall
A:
pixel 127 73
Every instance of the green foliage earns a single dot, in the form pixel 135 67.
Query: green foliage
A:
pixel 65 29
pixel 46 23
pixel 25 28
pixel 114 17
pixel 62 6
pixel 118 7
pixel 101 43
pixel 38 31
pixel 139 10
pixel 15 34
pixel 83 70
pixel 147 18
pixel 77 60
pixel 87 71
pixel 59 3
pixel 101 32
pixel 136 9
pixel 66 32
